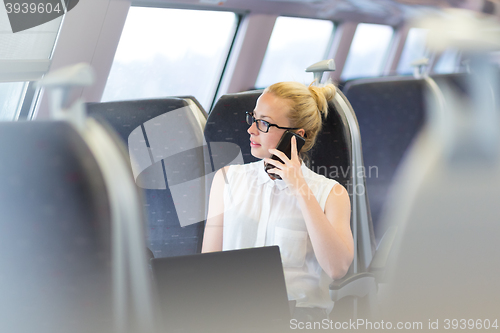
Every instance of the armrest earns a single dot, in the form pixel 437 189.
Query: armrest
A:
pixel 361 284
pixel 379 261
pixel 358 285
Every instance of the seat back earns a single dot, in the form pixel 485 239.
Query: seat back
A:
pixel 226 122
pixel 331 156
pixel 390 113
pixel 165 143
pixel 71 242
pixel 55 232
pixel 361 220
pixel 445 208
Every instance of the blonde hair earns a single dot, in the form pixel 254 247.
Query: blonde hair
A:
pixel 308 105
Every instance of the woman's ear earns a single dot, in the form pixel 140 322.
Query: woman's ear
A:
pixel 301 132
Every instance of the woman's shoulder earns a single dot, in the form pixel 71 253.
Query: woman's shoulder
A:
pixel 320 185
pixel 314 177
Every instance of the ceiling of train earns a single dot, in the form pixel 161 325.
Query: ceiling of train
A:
pixel 391 12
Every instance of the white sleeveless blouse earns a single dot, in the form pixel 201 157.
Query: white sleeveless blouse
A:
pixel 259 211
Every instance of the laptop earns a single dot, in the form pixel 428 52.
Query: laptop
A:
pixel 229 291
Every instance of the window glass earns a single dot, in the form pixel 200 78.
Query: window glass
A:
pixel 295 44
pixel 448 62
pixel 11 96
pixel 368 51
pixel 414 49
pixel 170 52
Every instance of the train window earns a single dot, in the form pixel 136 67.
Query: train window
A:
pixel 414 49
pixel 11 97
pixel 295 44
pixel 169 52
pixel 448 62
pixel 368 51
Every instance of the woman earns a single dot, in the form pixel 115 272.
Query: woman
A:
pixel 306 214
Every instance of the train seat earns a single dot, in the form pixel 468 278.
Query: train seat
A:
pixel 197 108
pixel 226 122
pixel 442 265
pixel 55 243
pixel 335 156
pixel 165 142
pixel 71 245
pixel 390 113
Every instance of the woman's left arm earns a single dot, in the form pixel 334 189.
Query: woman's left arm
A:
pixel 329 230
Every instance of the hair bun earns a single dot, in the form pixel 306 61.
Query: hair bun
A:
pixel 322 95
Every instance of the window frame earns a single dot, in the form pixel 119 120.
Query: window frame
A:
pixel 239 19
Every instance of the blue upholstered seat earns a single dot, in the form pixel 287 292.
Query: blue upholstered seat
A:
pixel 390 112
pixel 165 141
pixel 55 232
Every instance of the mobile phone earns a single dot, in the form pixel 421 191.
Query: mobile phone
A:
pixel 285 145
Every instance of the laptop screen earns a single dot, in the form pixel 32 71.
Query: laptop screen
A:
pixel 230 291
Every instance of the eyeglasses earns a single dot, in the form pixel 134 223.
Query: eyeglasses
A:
pixel 263 125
